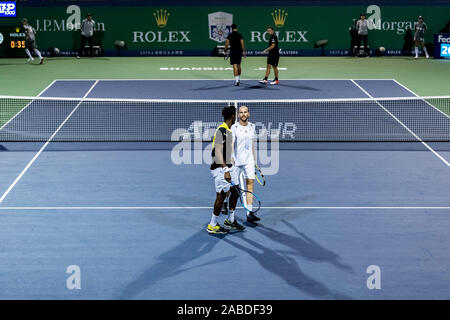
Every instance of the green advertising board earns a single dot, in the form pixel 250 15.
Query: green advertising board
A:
pixel 197 30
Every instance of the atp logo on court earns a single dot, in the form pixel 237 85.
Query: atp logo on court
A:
pixel 219 25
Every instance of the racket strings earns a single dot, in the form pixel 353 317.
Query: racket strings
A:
pixel 259 176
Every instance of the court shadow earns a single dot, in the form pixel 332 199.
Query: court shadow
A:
pixel 286 268
pixel 228 85
pixel 294 201
pixel 271 217
pixel 246 86
pixel 298 87
pixel 303 246
pixel 250 224
pixel 170 263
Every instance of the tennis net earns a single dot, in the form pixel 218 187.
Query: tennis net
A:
pixel 115 120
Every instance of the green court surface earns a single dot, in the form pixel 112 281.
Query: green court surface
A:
pixel 424 77
pixel 6 114
pixel 9 109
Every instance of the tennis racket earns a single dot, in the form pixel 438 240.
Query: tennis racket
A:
pixel 259 176
pixel 226 54
pixel 244 195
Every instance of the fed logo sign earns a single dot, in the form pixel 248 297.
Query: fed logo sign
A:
pixel 442 45
pixel 443 39
pixel 7 9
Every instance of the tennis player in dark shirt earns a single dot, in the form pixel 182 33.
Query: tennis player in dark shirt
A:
pixel 273 57
pixel 224 173
pixel 235 42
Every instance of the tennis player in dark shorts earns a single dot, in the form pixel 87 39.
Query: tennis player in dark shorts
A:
pixel 235 41
pixel 419 37
pixel 273 58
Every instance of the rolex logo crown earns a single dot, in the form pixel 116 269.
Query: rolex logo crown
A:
pixel 161 17
pixel 279 17
pixel 17 29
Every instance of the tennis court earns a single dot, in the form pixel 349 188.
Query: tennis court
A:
pixel 84 181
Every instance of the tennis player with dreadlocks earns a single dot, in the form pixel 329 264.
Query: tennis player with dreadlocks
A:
pixel 224 172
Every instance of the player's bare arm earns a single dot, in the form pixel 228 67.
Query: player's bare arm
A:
pixel 221 160
pixel 227 44
pixel 243 48
pixel 269 48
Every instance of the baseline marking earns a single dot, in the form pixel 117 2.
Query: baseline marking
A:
pixel 209 208
pixel 301 79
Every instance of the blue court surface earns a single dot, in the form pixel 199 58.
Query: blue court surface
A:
pixel 134 221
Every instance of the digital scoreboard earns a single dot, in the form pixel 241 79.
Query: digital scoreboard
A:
pixel 445 50
pixel 12 41
pixel 442 46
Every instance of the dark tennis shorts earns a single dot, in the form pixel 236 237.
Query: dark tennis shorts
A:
pixel 30 44
pixel 273 59
pixel 235 57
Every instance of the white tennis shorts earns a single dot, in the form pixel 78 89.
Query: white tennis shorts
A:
pixel 248 170
pixel 219 179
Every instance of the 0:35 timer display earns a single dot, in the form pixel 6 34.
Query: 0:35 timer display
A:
pixel 17 44
pixel 12 41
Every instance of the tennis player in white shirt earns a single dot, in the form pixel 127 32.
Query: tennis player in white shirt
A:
pixel 244 141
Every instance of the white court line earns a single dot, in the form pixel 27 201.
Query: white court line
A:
pixel 416 95
pixel 44 146
pixel 40 93
pixel 209 208
pixel 229 79
pixel 403 125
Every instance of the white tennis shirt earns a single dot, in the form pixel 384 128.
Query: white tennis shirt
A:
pixel 243 139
